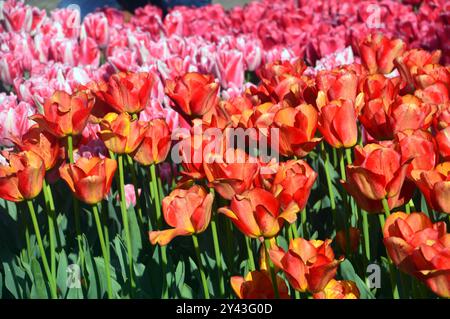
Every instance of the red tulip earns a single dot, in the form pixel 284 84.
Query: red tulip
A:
pixel 338 84
pixel 65 114
pixel 338 289
pixel 21 176
pixel 410 113
pixel 89 178
pixel 355 236
pixel 258 285
pixel 443 142
pixel 188 211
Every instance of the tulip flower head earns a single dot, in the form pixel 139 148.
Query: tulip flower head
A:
pixel 258 285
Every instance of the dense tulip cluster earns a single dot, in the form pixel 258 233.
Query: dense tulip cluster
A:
pixel 270 128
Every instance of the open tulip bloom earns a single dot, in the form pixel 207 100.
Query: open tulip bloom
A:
pixel 272 151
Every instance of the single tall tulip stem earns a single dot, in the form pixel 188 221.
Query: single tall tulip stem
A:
pixel 217 253
pixel 366 233
pixel 42 251
pixel 130 165
pixel 326 164
pixel 303 222
pixel 251 260
pixel 51 229
pixel 200 266
pixel 159 222
pixel 123 209
pixel 271 269
pixel 347 202
pixel 104 248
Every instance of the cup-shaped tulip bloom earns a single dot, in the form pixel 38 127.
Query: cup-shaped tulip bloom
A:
pixel 410 113
pixel 256 213
pixel 338 289
pixel 89 178
pixel 188 211
pixel 419 247
pixel 338 84
pixel 194 94
pixel 127 91
pixel 375 118
pixel 231 173
pixel 65 114
pixel 435 186
pixel 308 265
pixel 120 133
pixel 377 173
pixel 354 237
pixel 292 184
pixel 42 143
pixel 378 53
pixel 443 142
pixel 258 285
pixel 156 144
pixel 337 122
pixel 297 127
pixel 21 176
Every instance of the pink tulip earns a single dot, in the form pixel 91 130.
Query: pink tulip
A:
pixel 95 26
pixel 229 68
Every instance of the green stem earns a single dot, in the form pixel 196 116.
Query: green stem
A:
pixel 303 222
pixel 329 184
pixel 251 260
pixel 126 226
pixel 51 230
pixel 217 252
pixel 271 268
pixel 159 223
pixel 392 272
pixel 366 233
pixel 104 249
pixel 42 251
pixel 130 165
pixel 200 266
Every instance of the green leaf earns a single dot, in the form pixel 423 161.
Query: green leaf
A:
pixel 61 273
pixel 186 292
pixel 135 233
pixel 38 290
pixel 119 249
pixel 348 273
pixel 94 290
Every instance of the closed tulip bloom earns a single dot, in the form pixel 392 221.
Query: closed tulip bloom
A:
pixel 338 289
pixel 420 248
pixel 194 94
pixel 89 178
pixel 21 176
pixel 435 186
pixel 156 144
pixel 256 213
pixel 188 211
pixel 297 127
pixel 377 173
pixel 65 114
pixel 410 113
pixel 258 285
pixel 127 92
pixel 308 265
pixel 42 143
pixel 443 142
pixel 292 184
pixel 120 133
pixel 338 84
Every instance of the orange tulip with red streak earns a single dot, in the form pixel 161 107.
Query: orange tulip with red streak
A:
pixel 377 173
pixel 419 146
pixel 355 236
pixel 378 52
pixel 21 176
pixel 256 213
pixel 42 143
pixel 65 114
pixel 443 142
pixel 156 144
pixel 188 211
pixel 435 186
pixel 258 285
pixel 337 121
pixel 297 127
pixel 338 289
pixel 120 133
pixel 420 248
pixel 292 184
pixel 230 173
pixel 338 84
pixel 127 91
pixel 89 178
pixel 308 265
pixel 194 94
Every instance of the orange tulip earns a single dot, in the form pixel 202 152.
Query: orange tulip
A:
pixel 188 211
pixel 42 143
pixel 435 186
pixel 156 144
pixel 194 94
pixel 443 142
pixel 120 133
pixel 89 178
pixel 338 289
pixel 127 91
pixel 65 114
pixel 256 213
pixel 308 265
pixel 21 176
pixel 409 112
pixel 338 84
pixel 258 285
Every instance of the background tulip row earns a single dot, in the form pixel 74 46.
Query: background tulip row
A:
pixel 94 204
